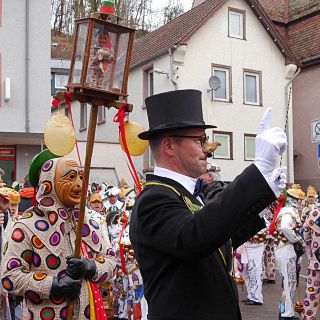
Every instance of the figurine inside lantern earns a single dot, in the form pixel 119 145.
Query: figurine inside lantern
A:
pixel 101 59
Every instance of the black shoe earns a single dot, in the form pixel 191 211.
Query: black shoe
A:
pixel 272 281
pixel 252 303
pixel 265 281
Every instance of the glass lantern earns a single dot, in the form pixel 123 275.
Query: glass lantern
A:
pixel 101 59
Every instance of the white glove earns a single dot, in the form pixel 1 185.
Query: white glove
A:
pixel 277 181
pixel 270 144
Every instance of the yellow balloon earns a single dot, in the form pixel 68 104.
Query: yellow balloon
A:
pixel 59 135
pixel 135 145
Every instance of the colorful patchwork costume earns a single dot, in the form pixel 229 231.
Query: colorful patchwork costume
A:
pixel 311 235
pixel 36 253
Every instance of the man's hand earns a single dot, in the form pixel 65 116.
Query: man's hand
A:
pixel 79 268
pixel 270 145
pixel 66 287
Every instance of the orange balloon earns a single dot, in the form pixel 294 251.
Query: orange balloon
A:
pixel 135 145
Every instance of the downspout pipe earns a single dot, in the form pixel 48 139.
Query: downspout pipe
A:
pixel 27 68
pixel 287 129
pixel 174 82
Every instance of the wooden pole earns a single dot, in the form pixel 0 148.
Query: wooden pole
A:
pixel 89 150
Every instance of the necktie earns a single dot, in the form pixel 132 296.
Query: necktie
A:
pixel 199 189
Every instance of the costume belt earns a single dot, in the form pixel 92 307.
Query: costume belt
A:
pixel 280 246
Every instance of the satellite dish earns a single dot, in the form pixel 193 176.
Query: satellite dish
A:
pixel 214 83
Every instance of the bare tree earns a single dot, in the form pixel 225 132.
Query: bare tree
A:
pixel 172 10
pixel 134 13
pixel 61 15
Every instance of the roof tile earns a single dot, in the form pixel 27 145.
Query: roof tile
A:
pixel 303 35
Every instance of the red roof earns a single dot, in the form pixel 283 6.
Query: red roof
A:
pixel 180 29
pixel 298 22
pixel 275 9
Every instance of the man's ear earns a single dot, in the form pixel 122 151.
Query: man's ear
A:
pixel 167 147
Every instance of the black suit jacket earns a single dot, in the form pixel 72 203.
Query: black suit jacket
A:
pixel 178 252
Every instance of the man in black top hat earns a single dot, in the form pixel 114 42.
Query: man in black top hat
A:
pixel 181 244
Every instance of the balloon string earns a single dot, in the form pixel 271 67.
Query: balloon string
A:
pixel 68 102
pixel 119 117
pixel 56 103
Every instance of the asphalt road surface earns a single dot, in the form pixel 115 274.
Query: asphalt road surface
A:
pixel 271 297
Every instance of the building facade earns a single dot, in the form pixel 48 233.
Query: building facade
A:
pixel 236 43
pixel 25 83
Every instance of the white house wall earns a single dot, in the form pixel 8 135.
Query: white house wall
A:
pixel 12 50
pixel 105 132
pixel 135 91
pixel 211 44
pixel 106 156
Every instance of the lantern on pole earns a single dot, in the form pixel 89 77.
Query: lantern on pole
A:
pixel 98 75
pixel 101 58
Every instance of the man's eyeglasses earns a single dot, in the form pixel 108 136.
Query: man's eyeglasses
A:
pixel 202 139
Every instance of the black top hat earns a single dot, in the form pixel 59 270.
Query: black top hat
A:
pixel 173 110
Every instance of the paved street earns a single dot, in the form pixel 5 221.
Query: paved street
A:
pixel 271 295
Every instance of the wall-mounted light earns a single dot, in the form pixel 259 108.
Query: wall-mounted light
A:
pixel 7 91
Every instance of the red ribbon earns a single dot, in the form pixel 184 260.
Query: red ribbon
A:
pixel 98 304
pixel 119 117
pixel 276 211
pixel 121 247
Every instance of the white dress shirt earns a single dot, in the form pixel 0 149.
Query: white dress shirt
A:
pixel 187 182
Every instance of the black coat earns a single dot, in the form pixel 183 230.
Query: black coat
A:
pixel 184 274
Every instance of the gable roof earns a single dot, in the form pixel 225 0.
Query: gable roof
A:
pixel 180 29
